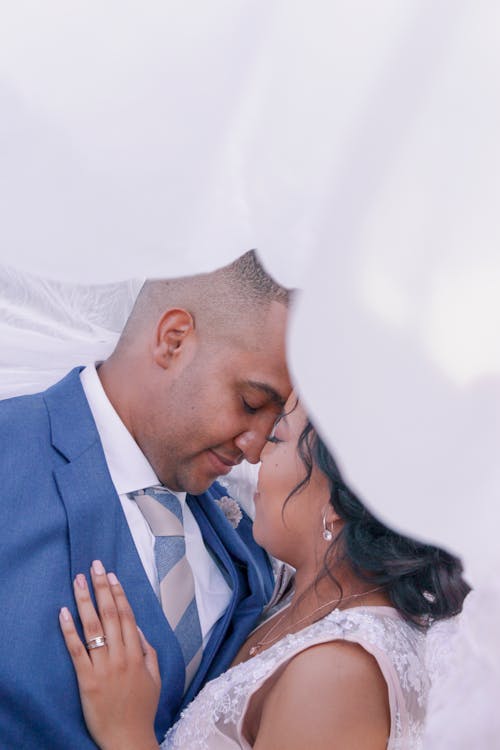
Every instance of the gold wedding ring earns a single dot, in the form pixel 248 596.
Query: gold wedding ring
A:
pixel 96 642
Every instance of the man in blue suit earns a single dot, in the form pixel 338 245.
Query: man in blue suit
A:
pixel 193 387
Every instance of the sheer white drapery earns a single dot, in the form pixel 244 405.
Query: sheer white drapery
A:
pixel 356 145
pixel 47 327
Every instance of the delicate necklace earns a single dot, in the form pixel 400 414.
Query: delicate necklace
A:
pixel 267 641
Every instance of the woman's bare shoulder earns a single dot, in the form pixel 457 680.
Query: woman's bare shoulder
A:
pixel 331 695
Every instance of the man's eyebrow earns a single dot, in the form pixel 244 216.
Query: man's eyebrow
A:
pixel 273 395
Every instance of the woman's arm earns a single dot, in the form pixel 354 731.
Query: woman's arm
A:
pixel 330 697
pixel 119 682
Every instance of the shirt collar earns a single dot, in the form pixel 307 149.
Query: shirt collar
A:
pixel 129 468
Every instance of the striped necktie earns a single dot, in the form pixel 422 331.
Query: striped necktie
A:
pixel 163 512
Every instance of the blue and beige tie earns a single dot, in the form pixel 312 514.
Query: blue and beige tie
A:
pixel 163 512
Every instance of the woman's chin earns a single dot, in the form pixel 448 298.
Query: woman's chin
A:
pixel 258 537
pixel 262 539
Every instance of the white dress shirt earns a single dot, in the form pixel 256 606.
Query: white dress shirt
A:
pixel 131 471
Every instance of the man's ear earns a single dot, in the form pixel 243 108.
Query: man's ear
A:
pixel 174 335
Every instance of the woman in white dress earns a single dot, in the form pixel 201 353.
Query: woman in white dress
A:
pixel 340 667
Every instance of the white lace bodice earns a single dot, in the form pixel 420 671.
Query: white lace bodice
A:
pixel 214 720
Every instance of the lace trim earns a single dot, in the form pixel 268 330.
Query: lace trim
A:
pixel 220 706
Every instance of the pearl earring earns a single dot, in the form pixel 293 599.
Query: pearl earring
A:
pixel 327 534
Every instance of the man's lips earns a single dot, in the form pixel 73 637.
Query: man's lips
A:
pixel 221 464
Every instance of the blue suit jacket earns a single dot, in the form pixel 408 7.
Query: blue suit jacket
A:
pixel 59 511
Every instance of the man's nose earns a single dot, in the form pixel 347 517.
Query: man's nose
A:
pixel 251 444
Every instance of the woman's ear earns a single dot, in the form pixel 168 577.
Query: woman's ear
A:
pixel 330 515
pixel 330 520
pixel 175 333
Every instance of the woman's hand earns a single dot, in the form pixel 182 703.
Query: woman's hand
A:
pixel 119 682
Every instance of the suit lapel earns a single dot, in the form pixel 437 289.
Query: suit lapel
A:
pixel 98 528
pixel 249 589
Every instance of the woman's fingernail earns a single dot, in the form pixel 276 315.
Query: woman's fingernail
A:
pixel 112 579
pixel 81 581
pixel 98 567
pixel 64 614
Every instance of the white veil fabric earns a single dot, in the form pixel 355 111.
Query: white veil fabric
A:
pixel 356 146
pixel 48 327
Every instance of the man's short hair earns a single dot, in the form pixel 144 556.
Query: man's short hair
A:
pixel 235 295
pixel 252 278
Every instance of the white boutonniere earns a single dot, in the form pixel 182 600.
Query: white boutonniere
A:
pixel 231 510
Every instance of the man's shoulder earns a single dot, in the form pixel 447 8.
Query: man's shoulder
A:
pixel 25 444
pixel 21 412
pixel 24 417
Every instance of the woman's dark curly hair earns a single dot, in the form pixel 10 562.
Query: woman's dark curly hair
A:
pixel 423 582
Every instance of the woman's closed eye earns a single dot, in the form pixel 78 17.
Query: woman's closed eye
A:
pixel 278 427
pixel 273 439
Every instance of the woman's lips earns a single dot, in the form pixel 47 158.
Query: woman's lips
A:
pixel 220 466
